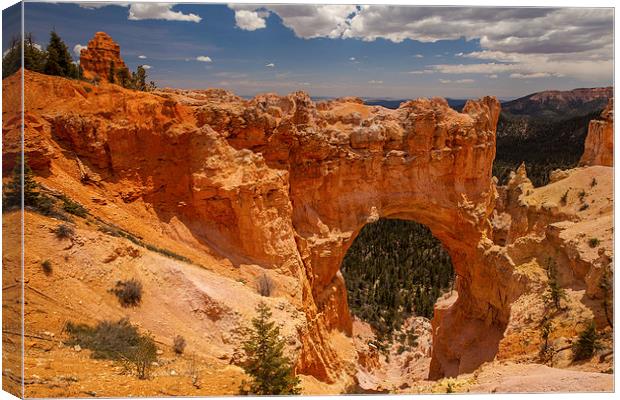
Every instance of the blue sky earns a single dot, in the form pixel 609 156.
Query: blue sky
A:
pixel 327 50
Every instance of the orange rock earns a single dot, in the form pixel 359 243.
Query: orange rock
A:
pixel 98 56
pixel 284 184
pixel 599 146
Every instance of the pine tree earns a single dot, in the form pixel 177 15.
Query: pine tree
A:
pixel 34 58
pixel 59 61
pixel 587 343
pixel 140 78
pixel 271 371
pixel 556 292
pixel 13 194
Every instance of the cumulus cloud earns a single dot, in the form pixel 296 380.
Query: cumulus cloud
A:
pixel 306 21
pixel 206 59
pixel 142 57
pixel 578 41
pixel 146 66
pixel 140 11
pixel 77 49
pixel 270 65
pixel 250 20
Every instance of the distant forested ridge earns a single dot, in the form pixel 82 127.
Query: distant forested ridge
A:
pixel 546 130
pixel 543 143
pixel 393 270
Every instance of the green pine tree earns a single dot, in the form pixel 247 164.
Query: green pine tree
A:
pixel 34 57
pixel 13 193
pixel 59 61
pixel 587 343
pixel 271 371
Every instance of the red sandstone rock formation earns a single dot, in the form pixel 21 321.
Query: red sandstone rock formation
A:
pixel 98 56
pixel 599 146
pixel 287 184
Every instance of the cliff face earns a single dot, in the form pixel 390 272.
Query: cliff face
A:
pixel 599 146
pixel 99 55
pixel 286 184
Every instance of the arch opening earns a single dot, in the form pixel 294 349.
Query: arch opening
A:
pixel 395 271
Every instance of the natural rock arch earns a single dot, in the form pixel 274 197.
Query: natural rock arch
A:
pixel 287 184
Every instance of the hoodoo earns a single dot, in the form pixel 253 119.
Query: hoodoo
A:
pixel 100 56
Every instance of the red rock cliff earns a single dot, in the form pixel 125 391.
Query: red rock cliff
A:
pixel 287 184
pixel 599 146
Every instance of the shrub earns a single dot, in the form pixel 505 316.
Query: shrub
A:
pixel 143 356
pixel 594 182
pixel 129 292
pixel 265 285
pixel 47 267
pixel 564 198
pixel 593 242
pixel 584 207
pixel 179 344
pixel 582 195
pixel 119 341
pixel 72 207
pixel 587 343
pixel 64 231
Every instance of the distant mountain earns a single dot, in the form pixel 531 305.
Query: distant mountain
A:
pixel 559 104
pixel 546 130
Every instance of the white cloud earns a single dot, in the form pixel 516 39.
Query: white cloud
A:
pixel 422 72
pixel 78 48
pixel 306 21
pixel 142 57
pixel 270 65
pixel 206 59
pixel 493 76
pixel 456 81
pixel 374 82
pixel 418 56
pixel 484 68
pixel 351 58
pixel 578 41
pixel 146 66
pixel 532 75
pixel 249 20
pixel 96 5
pixel 140 11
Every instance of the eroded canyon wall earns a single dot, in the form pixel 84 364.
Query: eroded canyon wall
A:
pixel 599 146
pixel 286 183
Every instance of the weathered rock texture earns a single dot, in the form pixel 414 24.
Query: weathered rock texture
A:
pixel 599 146
pixel 286 184
pixel 99 55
